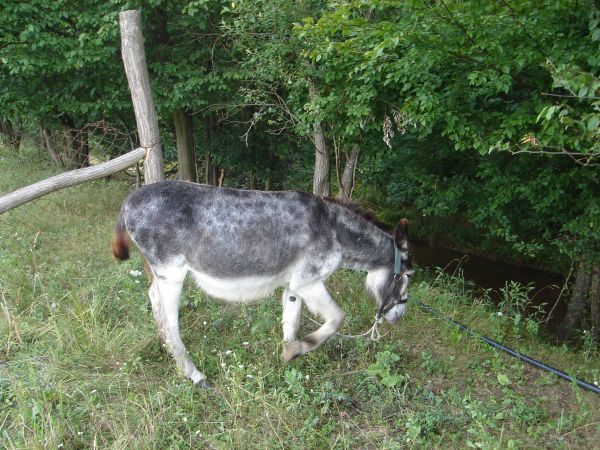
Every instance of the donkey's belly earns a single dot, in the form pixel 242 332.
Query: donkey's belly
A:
pixel 242 288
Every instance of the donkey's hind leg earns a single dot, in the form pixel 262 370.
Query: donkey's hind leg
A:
pixel 164 296
pixel 290 320
pixel 320 303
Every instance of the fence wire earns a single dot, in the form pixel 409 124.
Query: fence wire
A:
pixel 47 152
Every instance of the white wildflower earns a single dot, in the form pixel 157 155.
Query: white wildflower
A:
pixel 135 273
pixel 53 305
pixel 249 376
pixel 204 323
pixel 499 313
pixel 245 343
pixel 228 352
pixel 185 419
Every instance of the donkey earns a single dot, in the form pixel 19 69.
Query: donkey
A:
pixel 241 245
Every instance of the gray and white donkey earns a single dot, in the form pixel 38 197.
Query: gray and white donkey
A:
pixel 241 245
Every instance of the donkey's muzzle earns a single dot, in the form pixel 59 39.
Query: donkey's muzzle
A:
pixel 395 313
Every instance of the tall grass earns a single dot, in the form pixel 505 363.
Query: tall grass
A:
pixel 81 365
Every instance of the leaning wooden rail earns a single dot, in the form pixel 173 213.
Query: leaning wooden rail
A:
pixel 69 179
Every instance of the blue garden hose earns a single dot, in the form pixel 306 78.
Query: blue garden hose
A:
pixel 520 356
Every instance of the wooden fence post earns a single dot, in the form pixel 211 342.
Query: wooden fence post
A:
pixel 68 179
pixel 134 60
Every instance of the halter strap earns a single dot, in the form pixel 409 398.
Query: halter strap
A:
pixel 397 262
pixel 385 307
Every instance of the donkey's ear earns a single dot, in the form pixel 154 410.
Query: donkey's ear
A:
pixel 401 234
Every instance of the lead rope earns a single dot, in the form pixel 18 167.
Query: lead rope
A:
pixel 372 333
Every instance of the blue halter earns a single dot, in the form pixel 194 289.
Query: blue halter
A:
pixel 397 263
pixel 384 308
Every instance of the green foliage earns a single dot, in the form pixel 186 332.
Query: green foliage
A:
pixel 58 59
pixel 465 85
pixel 480 118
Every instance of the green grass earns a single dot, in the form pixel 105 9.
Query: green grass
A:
pixel 81 365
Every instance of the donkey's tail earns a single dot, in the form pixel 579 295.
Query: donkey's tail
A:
pixel 120 240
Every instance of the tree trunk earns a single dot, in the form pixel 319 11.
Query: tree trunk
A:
pixel 186 156
pixel 213 174
pixel 348 178
pixel 595 302
pixel 13 134
pixel 578 303
pixel 51 148
pixel 208 168
pixel 321 177
pixel 6 128
pixel 18 133
pixel 270 165
pixel 83 148
pixel 69 150
pixel 136 69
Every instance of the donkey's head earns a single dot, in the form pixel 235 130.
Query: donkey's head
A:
pixel 389 285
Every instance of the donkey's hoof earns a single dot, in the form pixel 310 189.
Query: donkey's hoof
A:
pixel 291 351
pixel 203 384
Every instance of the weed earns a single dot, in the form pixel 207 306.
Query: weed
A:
pixel 516 306
pixel 589 346
pixel 384 369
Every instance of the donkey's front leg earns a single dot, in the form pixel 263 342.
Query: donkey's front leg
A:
pixel 290 319
pixel 164 295
pixel 320 303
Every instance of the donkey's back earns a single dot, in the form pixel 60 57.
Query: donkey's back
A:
pixel 238 245
pixel 228 234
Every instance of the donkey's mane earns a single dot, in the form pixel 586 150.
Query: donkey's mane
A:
pixel 361 211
